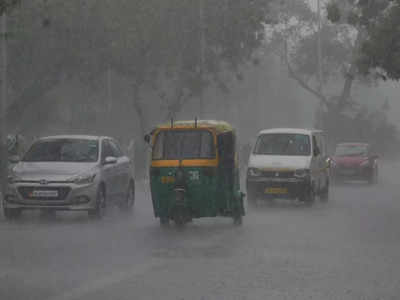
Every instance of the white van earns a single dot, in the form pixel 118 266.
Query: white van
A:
pixel 288 163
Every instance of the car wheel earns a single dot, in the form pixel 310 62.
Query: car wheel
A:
pixel 128 203
pixel 12 213
pixel 101 204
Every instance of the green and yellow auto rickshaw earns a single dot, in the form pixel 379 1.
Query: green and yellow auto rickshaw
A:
pixel 194 172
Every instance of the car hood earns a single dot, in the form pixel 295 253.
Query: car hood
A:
pixel 52 171
pixel 278 162
pixel 349 161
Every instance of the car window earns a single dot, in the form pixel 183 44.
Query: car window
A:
pixel 117 152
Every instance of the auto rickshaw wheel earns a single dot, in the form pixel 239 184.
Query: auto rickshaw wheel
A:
pixel 237 220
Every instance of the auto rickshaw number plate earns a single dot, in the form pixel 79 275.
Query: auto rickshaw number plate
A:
pixel 276 191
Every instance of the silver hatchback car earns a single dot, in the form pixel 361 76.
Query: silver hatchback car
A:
pixel 71 172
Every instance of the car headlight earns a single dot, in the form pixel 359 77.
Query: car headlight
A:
pixel 254 172
pixel 302 173
pixel 83 179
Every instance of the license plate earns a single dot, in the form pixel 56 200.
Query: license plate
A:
pixel 276 191
pixel 44 194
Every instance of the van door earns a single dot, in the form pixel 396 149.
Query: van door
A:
pixel 324 163
pixel 316 162
pixel 321 162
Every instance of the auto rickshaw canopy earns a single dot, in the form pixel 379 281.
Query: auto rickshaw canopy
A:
pixel 218 126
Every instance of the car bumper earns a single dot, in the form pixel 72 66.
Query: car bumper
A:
pixel 352 173
pixel 74 197
pixel 293 187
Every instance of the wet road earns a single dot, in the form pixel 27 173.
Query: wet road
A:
pixel 348 248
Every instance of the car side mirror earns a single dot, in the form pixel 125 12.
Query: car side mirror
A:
pixel 110 160
pixel 14 159
pixel 147 138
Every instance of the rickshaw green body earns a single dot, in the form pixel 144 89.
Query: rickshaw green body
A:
pixel 212 186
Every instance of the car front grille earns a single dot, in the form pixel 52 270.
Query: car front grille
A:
pixel 27 192
pixel 278 174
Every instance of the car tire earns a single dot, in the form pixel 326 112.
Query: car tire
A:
pixel 12 213
pixel 101 205
pixel 127 205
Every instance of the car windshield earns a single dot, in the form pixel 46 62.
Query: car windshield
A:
pixel 283 144
pixel 184 144
pixel 351 150
pixel 63 150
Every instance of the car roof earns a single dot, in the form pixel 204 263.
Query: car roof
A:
pixel 74 136
pixel 290 130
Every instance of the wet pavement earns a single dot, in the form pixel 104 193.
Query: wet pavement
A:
pixel 348 248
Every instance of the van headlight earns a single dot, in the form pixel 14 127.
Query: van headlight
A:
pixel 83 179
pixel 254 172
pixel 302 173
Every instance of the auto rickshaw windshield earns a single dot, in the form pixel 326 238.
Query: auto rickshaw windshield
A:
pixel 184 144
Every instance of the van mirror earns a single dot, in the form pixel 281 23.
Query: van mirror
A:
pixel 110 160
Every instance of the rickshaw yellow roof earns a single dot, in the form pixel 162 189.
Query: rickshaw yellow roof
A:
pixel 219 126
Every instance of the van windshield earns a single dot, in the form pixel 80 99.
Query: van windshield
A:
pixel 283 144
pixel 184 144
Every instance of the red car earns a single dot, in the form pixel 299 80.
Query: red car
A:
pixel 355 161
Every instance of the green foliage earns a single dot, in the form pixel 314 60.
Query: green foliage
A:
pixel 6 5
pixel 144 40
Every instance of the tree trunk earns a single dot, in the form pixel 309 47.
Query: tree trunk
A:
pixel 141 149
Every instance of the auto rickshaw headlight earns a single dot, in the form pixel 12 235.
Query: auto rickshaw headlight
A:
pixel 254 172
pixel 302 173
